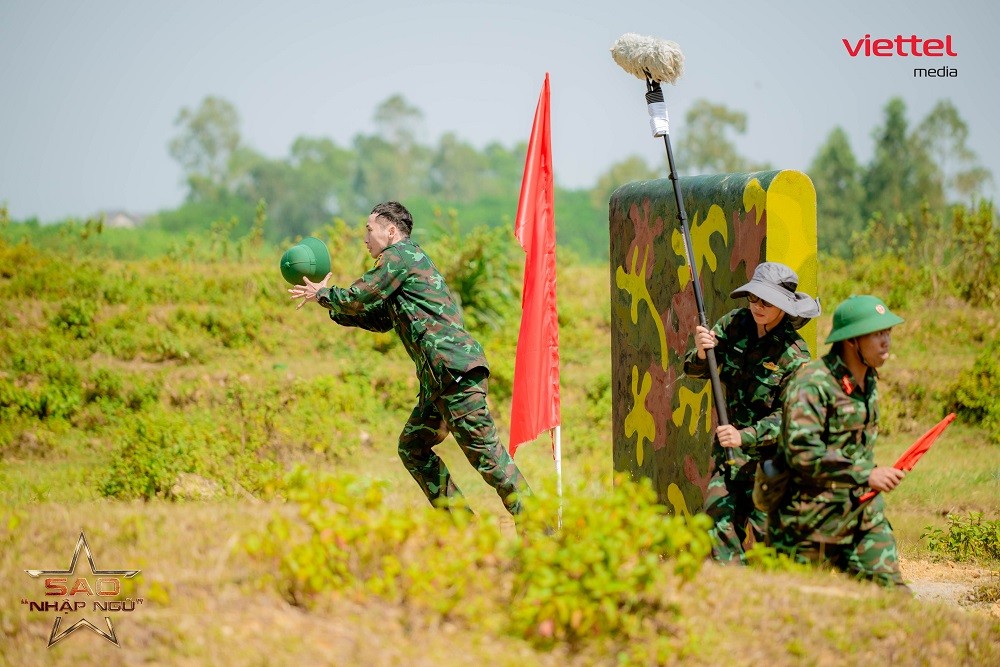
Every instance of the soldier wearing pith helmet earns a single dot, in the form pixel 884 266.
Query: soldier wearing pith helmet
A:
pixel 828 432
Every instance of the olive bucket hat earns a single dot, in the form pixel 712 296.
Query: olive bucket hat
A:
pixel 309 259
pixel 776 284
pixel 860 315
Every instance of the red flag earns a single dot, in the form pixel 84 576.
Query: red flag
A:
pixel 535 402
pixel 910 457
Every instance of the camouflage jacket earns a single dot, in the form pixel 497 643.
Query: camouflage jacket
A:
pixel 828 436
pixel 405 292
pixel 753 370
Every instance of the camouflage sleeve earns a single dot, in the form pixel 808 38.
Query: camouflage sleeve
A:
pixel 373 319
pixel 368 291
pixel 766 431
pixel 698 368
pixel 803 429
pixel 762 434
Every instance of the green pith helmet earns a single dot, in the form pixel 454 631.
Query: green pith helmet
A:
pixel 309 259
pixel 860 315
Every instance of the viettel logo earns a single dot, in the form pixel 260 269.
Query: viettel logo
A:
pixel 900 46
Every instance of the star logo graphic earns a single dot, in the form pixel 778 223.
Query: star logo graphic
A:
pixel 81 545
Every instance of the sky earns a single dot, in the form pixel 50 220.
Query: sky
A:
pixel 90 91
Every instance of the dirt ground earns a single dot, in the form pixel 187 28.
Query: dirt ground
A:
pixel 951 583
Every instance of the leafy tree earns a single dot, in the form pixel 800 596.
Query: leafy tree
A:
pixel 944 136
pixel 891 180
pixel 391 164
pixel 839 193
pixel 207 139
pixel 322 180
pixel 399 122
pixel 304 191
pixel 505 170
pixel 580 226
pixel 705 147
pixel 382 171
pixel 277 183
pixel 325 170
pixel 632 168
pixel 457 170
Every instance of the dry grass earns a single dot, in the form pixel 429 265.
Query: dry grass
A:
pixel 205 603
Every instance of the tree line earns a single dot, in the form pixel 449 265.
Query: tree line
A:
pixel 928 165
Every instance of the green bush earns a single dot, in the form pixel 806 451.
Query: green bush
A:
pixel 58 396
pixel 599 395
pixel 345 539
pixel 152 453
pixel 762 557
pixel 977 271
pixel 605 574
pixel 158 446
pixel 481 270
pixel 115 391
pixel 75 317
pixel 972 538
pixel 977 391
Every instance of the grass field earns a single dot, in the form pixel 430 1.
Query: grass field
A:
pixel 151 371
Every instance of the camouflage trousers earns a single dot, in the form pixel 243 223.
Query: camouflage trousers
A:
pixel 730 504
pixel 460 409
pixel 871 554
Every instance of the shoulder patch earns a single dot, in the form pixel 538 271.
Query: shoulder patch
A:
pixel 770 365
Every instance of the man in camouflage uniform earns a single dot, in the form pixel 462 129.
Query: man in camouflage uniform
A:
pixel 828 432
pixel 405 292
pixel 757 348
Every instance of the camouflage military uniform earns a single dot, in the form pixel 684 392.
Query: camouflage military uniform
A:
pixel 753 371
pixel 828 437
pixel 405 292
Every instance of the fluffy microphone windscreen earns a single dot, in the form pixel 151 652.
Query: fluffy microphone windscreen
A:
pixel 638 55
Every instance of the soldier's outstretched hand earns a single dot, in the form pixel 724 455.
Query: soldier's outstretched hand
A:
pixel 307 291
pixel 704 340
pixel 884 478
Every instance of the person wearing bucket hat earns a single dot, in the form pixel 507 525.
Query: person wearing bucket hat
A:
pixel 757 349
pixel 828 431
pixel 405 292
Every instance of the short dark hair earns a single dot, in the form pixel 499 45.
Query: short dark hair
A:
pixel 395 213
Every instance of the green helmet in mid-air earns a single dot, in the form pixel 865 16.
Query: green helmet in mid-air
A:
pixel 309 259
pixel 860 315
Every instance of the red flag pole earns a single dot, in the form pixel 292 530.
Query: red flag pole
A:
pixel 535 401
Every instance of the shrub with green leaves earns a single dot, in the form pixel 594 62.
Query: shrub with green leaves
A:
pixel 977 391
pixel 762 557
pixel 971 538
pixel 158 446
pixel 150 456
pixel 55 395
pixel 114 391
pixel 606 573
pixel 345 539
pixel 75 317
pixel 480 268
